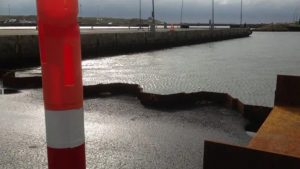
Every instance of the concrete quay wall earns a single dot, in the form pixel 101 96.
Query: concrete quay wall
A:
pixel 22 50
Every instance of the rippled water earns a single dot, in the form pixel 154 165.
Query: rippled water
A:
pixel 245 68
pixel 121 133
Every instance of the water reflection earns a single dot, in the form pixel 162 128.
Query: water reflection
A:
pixel 245 68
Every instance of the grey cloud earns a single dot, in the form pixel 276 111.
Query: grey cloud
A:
pixel 169 10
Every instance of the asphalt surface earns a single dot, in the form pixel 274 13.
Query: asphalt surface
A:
pixel 120 133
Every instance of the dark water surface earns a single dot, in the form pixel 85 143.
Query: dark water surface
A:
pixel 245 68
pixel 121 133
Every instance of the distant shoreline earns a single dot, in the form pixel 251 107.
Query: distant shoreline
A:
pixel 31 20
pixel 278 28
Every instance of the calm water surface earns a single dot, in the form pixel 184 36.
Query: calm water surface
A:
pixel 121 133
pixel 246 68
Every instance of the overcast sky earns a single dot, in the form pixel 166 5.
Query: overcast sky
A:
pixel 255 11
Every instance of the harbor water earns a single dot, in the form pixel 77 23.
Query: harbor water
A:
pixel 245 68
pixel 121 133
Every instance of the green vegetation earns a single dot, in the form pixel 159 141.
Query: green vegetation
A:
pixel 104 21
pixel 100 21
pixel 279 27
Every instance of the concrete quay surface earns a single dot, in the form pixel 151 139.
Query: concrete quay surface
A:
pixel 120 133
pixel 20 47
pixel 13 32
pixel 32 31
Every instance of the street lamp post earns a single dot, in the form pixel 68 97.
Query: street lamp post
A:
pixel 140 14
pixel 295 17
pixel 80 10
pixel 8 9
pixel 213 15
pixel 152 28
pixel 98 11
pixel 241 19
pixel 181 13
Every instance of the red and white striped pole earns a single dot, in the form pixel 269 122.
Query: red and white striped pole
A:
pixel 60 53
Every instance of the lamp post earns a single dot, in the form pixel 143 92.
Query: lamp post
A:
pixel 241 17
pixel 80 10
pixel 98 11
pixel 181 13
pixel 213 15
pixel 8 9
pixel 295 18
pixel 152 28
pixel 140 14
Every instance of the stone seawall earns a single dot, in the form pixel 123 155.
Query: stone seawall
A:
pixel 22 50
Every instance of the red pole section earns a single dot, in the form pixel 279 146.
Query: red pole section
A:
pixel 60 52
